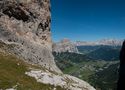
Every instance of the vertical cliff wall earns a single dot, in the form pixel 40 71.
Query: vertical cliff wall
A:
pixel 25 24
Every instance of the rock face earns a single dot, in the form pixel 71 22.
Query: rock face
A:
pixel 65 45
pixel 65 81
pixel 26 24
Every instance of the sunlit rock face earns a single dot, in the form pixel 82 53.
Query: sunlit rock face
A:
pixel 26 24
pixel 67 82
pixel 65 45
pixel 26 20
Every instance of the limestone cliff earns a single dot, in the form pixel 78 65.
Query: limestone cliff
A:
pixel 26 24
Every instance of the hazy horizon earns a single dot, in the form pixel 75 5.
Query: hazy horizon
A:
pixel 88 40
pixel 88 20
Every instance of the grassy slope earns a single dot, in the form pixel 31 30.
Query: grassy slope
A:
pixel 79 70
pixel 107 78
pixel 101 52
pixel 12 72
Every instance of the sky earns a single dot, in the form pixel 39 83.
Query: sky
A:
pixel 87 20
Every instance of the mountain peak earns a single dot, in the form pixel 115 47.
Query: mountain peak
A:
pixel 65 45
pixel 65 40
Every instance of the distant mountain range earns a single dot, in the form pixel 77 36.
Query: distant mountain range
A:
pixel 110 42
pixel 65 45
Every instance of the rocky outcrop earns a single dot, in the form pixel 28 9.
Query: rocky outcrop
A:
pixel 26 24
pixel 65 45
pixel 65 81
